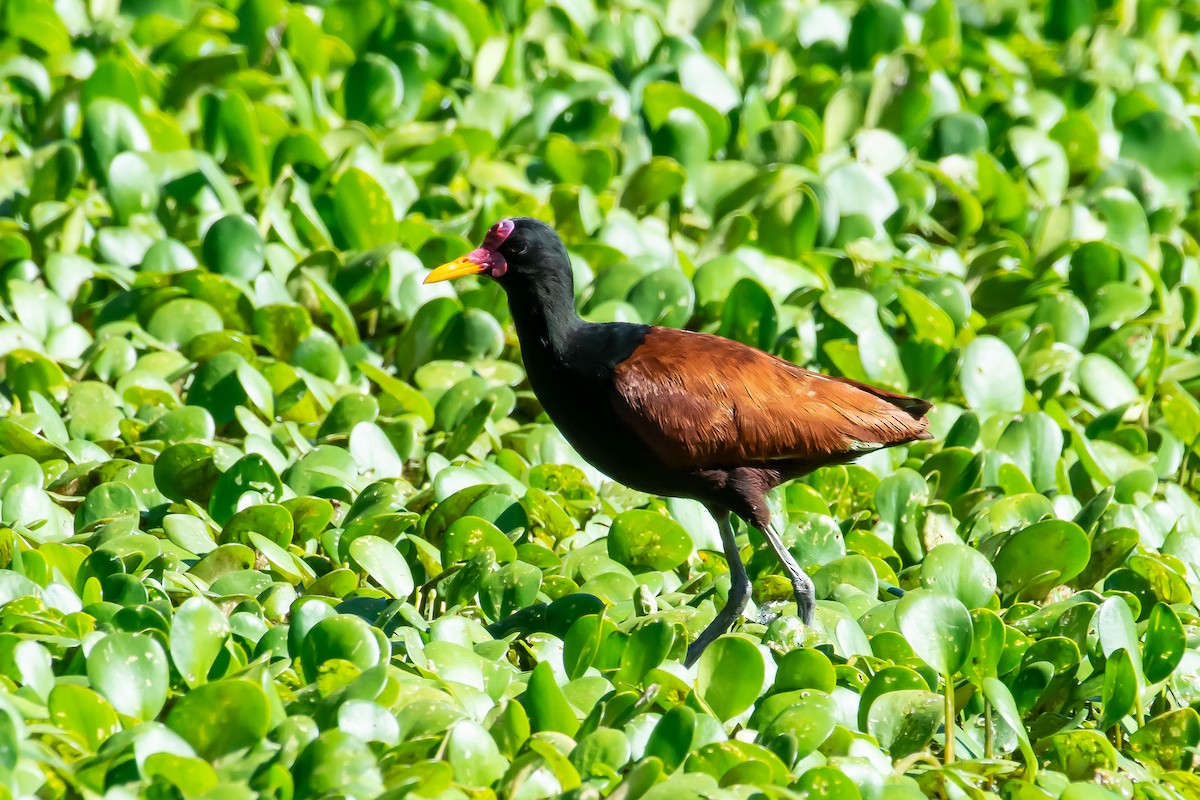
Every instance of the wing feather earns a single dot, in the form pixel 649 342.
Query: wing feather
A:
pixel 704 401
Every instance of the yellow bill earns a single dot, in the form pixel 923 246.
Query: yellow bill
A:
pixel 469 264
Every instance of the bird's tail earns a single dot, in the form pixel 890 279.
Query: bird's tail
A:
pixel 914 407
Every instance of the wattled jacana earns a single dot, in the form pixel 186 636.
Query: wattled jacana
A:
pixel 679 413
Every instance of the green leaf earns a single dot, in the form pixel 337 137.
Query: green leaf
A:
pixel 547 707
pixel 384 564
pixel 131 671
pixel 749 315
pixel 961 572
pixel 364 211
pixel 1044 555
pixel 671 740
pixel 180 321
pixel 233 247
pixel 653 183
pixel 222 717
pixel 1006 708
pixel 474 755
pixel 991 377
pixel 82 713
pixel 938 628
pixel 374 90
pixel 1169 738
pixel 337 762
pixel 1165 643
pixel 1120 688
pixel 647 540
pixel 725 656
pixel 905 721
pixel 198 634
pixel 1168 148
pixel 644 651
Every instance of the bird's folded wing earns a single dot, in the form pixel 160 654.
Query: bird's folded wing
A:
pixel 705 401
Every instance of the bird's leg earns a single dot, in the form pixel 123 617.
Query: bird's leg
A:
pixel 739 591
pixel 802 585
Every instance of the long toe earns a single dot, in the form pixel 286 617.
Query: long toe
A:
pixel 802 585
pixel 806 597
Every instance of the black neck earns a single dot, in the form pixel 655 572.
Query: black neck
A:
pixel 544 313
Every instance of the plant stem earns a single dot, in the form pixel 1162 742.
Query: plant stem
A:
pixel 948 753
pixel 989 734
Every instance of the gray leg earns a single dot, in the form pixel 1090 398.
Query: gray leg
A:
pixel 802 585
pixel 739 591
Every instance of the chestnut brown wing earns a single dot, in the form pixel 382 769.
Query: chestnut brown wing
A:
pixel 703 401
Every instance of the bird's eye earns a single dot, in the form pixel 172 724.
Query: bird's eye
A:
pixel 518 247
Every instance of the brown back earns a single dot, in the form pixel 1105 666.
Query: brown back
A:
pixel 705 401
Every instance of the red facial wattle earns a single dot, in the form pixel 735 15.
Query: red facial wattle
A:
pixel 485 260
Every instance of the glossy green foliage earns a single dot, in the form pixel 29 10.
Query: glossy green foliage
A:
pixel 279 521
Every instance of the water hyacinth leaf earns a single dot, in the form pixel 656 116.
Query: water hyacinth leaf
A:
pixel 198 633
pixel 233 247
pixel 1002 701
pixel 17 470
pixel 1120 688
pixel 187 471
pixel 1105 383
pixel 749 315
pixel 82 713
pixel 374 452
pixel 509 589
pixel 222 717
pixel 252 473
pixel 180 321
pixel 269 520
pixel 181 771
pixel 930 322
pixel 644 539
pixel 356 557
pixel 828 783
pixel 1164 643
pixel 599 750
pixel 106 502
pixel 364 210
pixel 335 761
pixel 939 629
pixel 1169 738
pixel 653 183
pixel 729 698
pixel 961 572
pixel 905 721
pixel 1081 753
pixel 468 536
pixel 473 753
pixel 1041 556
pixel 131 186
pixel 1034 442
pixel 548 709
pixel 991 377
pixel 110 128
pixel 374 89
pixel 1168 149
pixel 189 422
pixel 671 740
pixel 131 672
pixel 664 297
pixel 341 636
pixel 645 650
pixel 380 559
